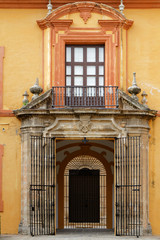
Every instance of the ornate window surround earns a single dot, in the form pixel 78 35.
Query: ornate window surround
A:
pixel 61 32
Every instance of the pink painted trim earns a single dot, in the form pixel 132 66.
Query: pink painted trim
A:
pixel 43 60
pixel 119 60
pixel 51 57
pixel 126 61
pixel 1 155
pixel 6 113
pixel 1 76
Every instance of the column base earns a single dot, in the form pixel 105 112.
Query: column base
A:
pixel 148 231
pixel 22 229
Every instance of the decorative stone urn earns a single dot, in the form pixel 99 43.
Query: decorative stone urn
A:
pixel 36 89
pixel 134 89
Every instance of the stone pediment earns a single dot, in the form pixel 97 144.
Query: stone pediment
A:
pixel 126 102
pixel 85 8
pixel 43 104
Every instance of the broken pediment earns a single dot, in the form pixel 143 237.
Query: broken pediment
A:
pixel 85 10
pixel 126 102
pixel 43 104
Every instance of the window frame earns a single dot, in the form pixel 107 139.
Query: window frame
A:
pixel 81 39
pixel 84 64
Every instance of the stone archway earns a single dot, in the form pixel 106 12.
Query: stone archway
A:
pixel 109 181
pixel 85 164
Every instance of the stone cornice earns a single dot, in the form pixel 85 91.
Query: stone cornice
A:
pixel 59 24
pixel 109 24
pixel 40 4
pixel 108 112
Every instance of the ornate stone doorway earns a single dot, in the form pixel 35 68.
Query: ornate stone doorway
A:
pixel 39 119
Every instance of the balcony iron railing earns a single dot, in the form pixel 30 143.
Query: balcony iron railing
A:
pixel 86 97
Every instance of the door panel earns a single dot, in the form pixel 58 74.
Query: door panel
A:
pixel 84 196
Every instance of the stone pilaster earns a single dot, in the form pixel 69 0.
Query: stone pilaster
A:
pixel 25 182
pixel 145 182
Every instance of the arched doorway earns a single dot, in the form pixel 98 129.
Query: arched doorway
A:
pixel 85 193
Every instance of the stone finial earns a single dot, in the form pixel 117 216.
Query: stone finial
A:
pixel 49 7
pixel 144 99
pixel 36 89
pixel 25 99
pixel 121 7
pixel 134 89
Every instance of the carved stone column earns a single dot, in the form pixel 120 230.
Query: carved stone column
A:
pixel 26 132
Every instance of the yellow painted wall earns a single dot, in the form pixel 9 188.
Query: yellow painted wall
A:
pixel 154 177
pixel 144 52
pixel 22 39
pixel 11 174
pixel 144 59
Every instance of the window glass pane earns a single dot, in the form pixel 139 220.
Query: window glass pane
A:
pixel 78 92
pixel 78 81
pixel 91 70
pixel 68 54
pixel 91 91
pixel 91 81
pixel 101 92
pixel 78 54
pixel 101 70
pixel 68 70
pixel 101 81
pixel 68 91
pixel 78 70
pixel 91 54
pixel 101 54
pixel 68 81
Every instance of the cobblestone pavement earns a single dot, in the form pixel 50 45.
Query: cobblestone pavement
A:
pixel 80 235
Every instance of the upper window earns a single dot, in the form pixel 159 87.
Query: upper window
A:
pixel 85 65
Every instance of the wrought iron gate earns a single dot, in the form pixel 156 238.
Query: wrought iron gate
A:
pixel 42 188
pixel 127 157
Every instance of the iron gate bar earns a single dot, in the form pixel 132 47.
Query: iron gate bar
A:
pixel 42 188
pixel 127 156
